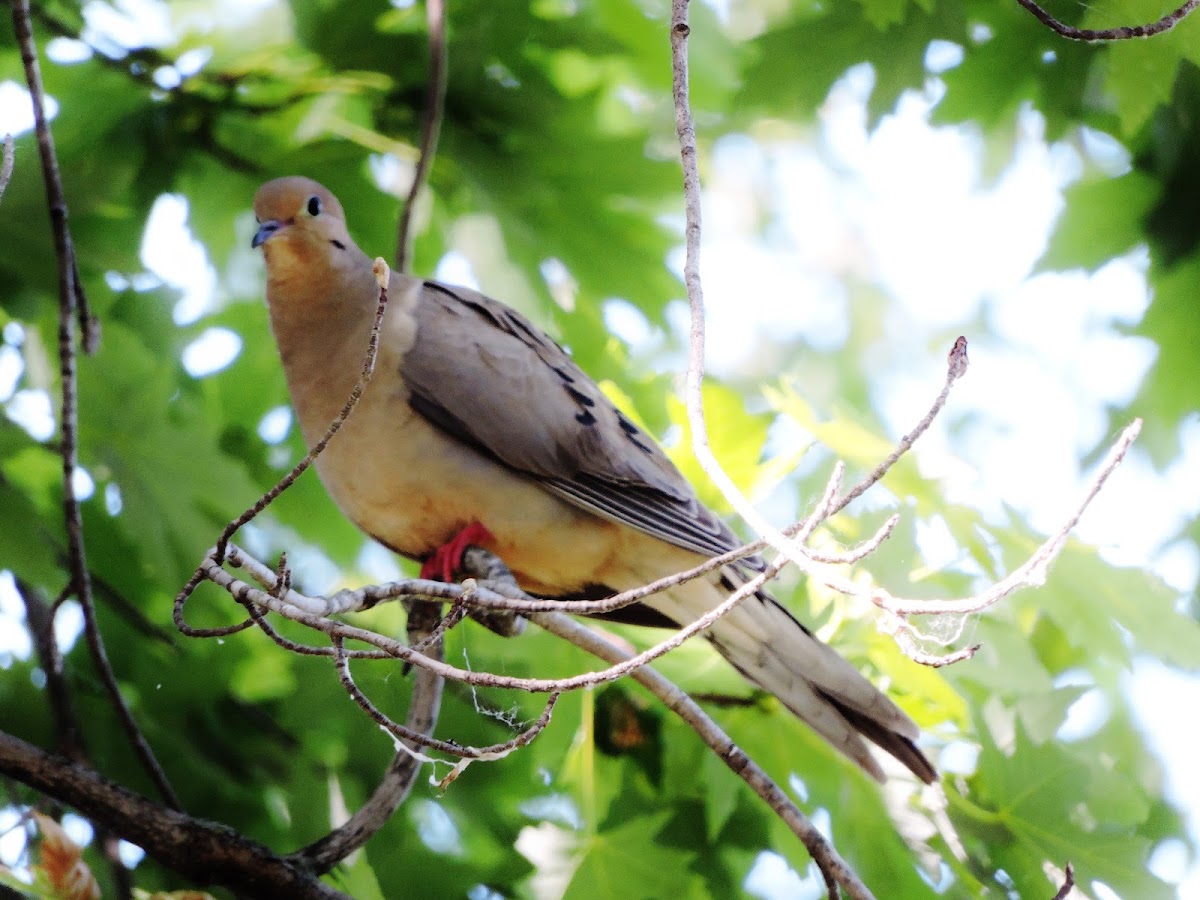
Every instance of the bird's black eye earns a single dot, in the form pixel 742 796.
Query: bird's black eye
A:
pixel 314 206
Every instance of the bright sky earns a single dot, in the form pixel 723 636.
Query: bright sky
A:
pixel 905 207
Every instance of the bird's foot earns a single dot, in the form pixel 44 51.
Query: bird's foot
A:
pixel 447 559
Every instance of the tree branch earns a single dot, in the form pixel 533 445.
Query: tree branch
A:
pixel 1067 885
pixel 206 852
pixel 786 544
pixel 244 593
pixel 6 164
pixel 435 103
pixel 1120 33
pixel 1033 572
pixel 71 301
pixel 39 617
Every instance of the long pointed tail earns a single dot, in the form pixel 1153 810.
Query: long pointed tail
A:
pixel 773 650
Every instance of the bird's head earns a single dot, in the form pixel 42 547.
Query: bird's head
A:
pixel 299 221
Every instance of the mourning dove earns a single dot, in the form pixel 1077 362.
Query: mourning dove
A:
pixel 476 428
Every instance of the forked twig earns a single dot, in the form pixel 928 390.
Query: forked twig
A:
pixel 1033 571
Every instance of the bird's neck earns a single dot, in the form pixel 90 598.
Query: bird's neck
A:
pixel 322 321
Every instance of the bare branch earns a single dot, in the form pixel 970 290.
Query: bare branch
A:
pixel 206 852
pixel 181 599
pixel 907 643
pixel 314 611
pixel 245 593
pixel 782 542
pixel 407 736
pixel 39 616
pixel 956 368
pixel 686 131
pixel 1033 572
pixel 1068 883
pixel 71 301
pixel 1120 33
pixel 6 164
pixel 382 275
pixel 435 102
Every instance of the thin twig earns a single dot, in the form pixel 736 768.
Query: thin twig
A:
pixel 70 301
pixel 260 619
pixel 1068 884
pixel 382 276
pixel 40 619
pixel 6 164
pixel 693 391
pixel 1033 572
pixel 435 102
pixel 246 593
pixel 89 325
pixel 182 597
pixel 243 592
pixel 686 131
pixel 906 641
pixel 313 611
pixel 956 367
pixel 1120 33
pixel 407 735
pixel 457 613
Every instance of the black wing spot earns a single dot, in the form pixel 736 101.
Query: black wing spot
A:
pixel 338 244
pixel 645 448
pixel 518 323
pixel 563 374
pixel 585 418
pixel 580 397
pixel 478 308
pixel 632 432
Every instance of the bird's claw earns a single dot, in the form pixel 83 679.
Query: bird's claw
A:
pixel 447 559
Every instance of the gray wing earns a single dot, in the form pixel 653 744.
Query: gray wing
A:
pixel 484 374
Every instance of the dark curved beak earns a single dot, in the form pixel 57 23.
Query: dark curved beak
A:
pixel 265 230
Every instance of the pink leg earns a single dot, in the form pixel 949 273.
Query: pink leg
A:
pixel 447 559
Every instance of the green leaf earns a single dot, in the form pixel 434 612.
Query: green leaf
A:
pixel 1102 219
pixel 1054 806
pixel 1139 77
pixel 629 863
